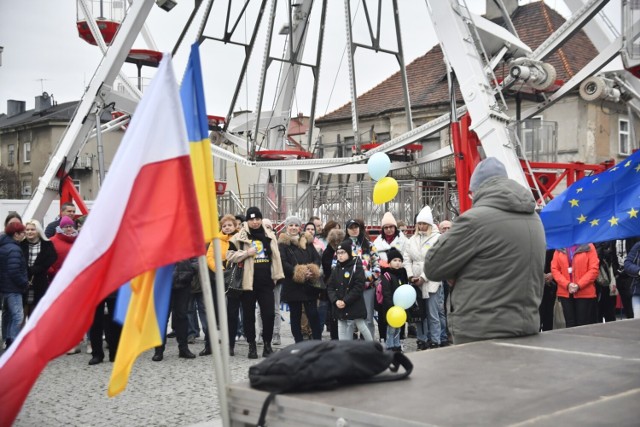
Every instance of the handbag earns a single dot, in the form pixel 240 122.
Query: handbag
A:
pixel 30 294
pixel 604 275
pixel 233 280
pixel 558 316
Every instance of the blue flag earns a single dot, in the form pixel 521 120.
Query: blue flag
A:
pixel 597 208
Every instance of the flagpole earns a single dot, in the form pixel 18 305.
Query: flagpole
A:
pixel 214 337
pixel 222 306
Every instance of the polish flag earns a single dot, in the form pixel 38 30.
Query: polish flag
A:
pixel 146 216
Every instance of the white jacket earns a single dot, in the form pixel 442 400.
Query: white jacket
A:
pixel 382 246
pixel 414 252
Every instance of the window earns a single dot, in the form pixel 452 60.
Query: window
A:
pixel 27 152
pixel 12 155
pixel 623 137
pixel 76 183
pixel 26 187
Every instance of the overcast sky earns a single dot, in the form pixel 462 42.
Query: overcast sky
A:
pixel 42 52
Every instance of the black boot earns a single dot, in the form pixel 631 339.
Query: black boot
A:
pixel 267 350
pixel 231 352
pixel 157 355
pixel 206 351
pixel 253 350
pixel 185 353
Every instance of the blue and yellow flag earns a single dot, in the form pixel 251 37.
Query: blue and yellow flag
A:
pixel 195 115
pixel 145 323
pixel 597 208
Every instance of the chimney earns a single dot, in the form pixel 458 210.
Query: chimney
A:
pixel 15 107
pixel 494 11
pixel 43 102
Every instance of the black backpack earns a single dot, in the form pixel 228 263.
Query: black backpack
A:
pixel 323 365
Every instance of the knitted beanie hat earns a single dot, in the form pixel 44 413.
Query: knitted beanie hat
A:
pixel 425 216
pixel 292 220
pixel 346 246
pixel 393 253
pixel 488 168
pixel 388 219
pixel 253 212
pixel 66 221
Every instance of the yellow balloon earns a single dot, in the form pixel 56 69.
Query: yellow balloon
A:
pixel 396 316
pixel 385 190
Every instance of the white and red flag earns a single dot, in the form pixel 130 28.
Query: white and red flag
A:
pixel 146 216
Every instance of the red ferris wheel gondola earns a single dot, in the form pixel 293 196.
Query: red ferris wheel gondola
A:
pixel 106 13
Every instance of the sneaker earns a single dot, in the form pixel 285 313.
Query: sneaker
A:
pixel 186 354
pixel 74 350
pixel 432 345
pixel 276 339
pixel 421 345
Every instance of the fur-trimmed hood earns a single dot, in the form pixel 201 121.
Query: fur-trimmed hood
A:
pixel 285 239
pixel 335 237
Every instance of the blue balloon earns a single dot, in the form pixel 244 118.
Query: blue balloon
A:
pixel 404 296
pixel 378 166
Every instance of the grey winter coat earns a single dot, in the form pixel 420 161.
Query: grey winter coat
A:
pixel 495 253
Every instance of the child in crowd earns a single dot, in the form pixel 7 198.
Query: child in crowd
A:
pixel 392 277
pixel 345 290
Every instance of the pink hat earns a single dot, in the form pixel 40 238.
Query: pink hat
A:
pixel 66 221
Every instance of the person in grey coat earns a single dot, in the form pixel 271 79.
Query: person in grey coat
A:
pixel 494 256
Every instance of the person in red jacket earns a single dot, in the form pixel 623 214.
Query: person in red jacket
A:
pixel 575 270
pixel 62 242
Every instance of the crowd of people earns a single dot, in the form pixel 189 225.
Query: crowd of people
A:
pixel 485 275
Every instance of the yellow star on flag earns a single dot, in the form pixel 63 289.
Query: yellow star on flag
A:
pixel 613 221
pixel 594 222
pixel 579 190
pixel 638 168
pixel 626 165
pixel 613 169
pixel 574 202
pixel 633 213
pixel 595 180
pixel 582 218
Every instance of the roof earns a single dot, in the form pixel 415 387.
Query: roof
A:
pixel 59 112
pixel 426 75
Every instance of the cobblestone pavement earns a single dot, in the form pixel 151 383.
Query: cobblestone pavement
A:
pixel 174 392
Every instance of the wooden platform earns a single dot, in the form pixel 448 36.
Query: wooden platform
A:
pixel 587 376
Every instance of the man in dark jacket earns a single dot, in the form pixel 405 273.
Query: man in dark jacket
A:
pixel 13 280
pixel 494 255
pixel 67 209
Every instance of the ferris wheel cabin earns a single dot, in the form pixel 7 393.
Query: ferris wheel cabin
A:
pixel 107 14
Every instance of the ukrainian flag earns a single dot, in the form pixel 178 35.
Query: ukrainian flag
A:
pixel 144 327
pixel 195 115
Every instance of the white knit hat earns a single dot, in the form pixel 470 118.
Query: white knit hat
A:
pixel 425 216
pixel 388 219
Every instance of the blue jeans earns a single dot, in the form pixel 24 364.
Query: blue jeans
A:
pixel 369 297
pixel 433 316
pixel 345 329
pixel 196 310
pixel 393 337
pixel 422 327
pixel 12 316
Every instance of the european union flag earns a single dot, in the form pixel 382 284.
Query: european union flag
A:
pixel 597 208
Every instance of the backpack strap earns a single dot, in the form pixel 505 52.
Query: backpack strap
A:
pixel 265 407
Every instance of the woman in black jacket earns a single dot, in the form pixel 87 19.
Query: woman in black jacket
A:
pixel 345 289
pixel 13 280
pixel 334 238
pixel 301 265
pixel 39 254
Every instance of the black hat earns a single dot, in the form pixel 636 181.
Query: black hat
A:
pixel 393 253
pixel 350 223
pixel 346 246
pixel 253 212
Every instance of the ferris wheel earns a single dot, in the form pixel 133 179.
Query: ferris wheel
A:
pixel 473 47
